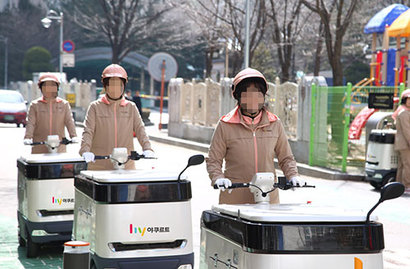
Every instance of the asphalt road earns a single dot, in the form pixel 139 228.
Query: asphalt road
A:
pixel 394 214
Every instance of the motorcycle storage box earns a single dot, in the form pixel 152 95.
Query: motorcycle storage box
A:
pixel 134 218
pixel 46 195
pixel 289 236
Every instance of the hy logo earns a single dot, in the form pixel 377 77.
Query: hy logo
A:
pixel 137 230
pixel 358 264
pixel 59 201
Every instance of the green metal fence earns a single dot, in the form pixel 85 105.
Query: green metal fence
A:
pixel 333 110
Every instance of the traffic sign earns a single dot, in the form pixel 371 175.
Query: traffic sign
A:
pixel 68 59
pixel 68 46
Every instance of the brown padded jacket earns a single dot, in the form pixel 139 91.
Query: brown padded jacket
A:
pixel 46 118
pixel 246 151
pixel 402 139
pixel 110 124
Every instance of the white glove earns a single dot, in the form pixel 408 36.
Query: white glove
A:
pixel 223 183
pixel 89 157
pixel 148 154
pixel 75 139
pixel 28 141
pixel 297 180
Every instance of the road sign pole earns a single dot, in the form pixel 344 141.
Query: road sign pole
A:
pixel 162 93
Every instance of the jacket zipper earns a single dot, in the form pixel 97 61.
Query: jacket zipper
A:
pixel 51 118
pixel 115 124
pixel 256 150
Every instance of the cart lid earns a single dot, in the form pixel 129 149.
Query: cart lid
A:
pixel 52 158
pixel 292 213
pixel 117 176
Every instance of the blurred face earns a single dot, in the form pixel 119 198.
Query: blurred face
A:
pixel 49 89
pixel 408 102
pixel 115 88
pixel 252 100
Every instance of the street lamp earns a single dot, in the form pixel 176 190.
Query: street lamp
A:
pixel 53 15
pixel 6 54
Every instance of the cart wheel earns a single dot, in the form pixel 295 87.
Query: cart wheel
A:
pixel 92 264
pixel 32 248
pixel 376 185
pixel 391 177
pixel 22 242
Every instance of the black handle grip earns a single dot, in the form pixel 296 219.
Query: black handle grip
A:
pixel 102 157
pixel 37 143
pixel 234 186
pixel 65 141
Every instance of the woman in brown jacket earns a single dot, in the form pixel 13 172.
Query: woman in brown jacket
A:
pixel 49 115
pixel 402 140
pixel 248 138
pixel 111 121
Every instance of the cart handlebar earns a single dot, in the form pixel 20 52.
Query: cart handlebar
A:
pixel 282 184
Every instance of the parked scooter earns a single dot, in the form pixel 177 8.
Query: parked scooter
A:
pixel 381 158
pixel 135 218
pixel 278 236
pixel 46 195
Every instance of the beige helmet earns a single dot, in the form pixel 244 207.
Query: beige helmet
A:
pixel 47 77
pixel 114 70
pixel 247 73
pixel 405 94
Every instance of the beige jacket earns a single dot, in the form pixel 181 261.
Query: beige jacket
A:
pixel 48 118
pixel 402 139
pixel 108 125
pixel 247 151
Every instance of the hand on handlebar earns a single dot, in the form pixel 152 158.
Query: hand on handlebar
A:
pixel 148 154
pixel 89 157
pixel 297 181
pixel 28 141
pixel 223 183
pixel 75 139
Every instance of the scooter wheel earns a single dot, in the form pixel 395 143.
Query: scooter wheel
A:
pixel 92 265
pixel 22 242
pixel 391 177
pixel 376 185
pixel 32 248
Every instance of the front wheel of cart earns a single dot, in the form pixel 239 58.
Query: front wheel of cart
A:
pixel 32 248
pixel 22 242
pixel 391 177
pixel 376 185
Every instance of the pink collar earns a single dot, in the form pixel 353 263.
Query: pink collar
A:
pixel 234 116
pixel 58 100
pixel 123 102
pixel 250 121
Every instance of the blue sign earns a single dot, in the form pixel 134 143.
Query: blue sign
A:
pixel 68 46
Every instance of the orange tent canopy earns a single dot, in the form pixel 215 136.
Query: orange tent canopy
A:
pixel 400 26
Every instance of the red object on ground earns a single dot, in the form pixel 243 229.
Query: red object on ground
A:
pixel 359 122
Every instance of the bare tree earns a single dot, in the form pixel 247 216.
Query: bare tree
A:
pixel 340 24
pixel 284 18
pixel 236 20
pixel 210 28
pixel 127 24
pixel 226 20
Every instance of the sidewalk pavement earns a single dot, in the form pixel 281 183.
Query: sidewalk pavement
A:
pixel 162 136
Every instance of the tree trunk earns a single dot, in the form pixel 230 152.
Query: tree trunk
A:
pixel 208 62
pixel 319 47
pixel 115 55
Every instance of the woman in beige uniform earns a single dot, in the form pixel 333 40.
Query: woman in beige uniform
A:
pixel 248 138
pixel 402 140
pixel 111 121
pixel 48 115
